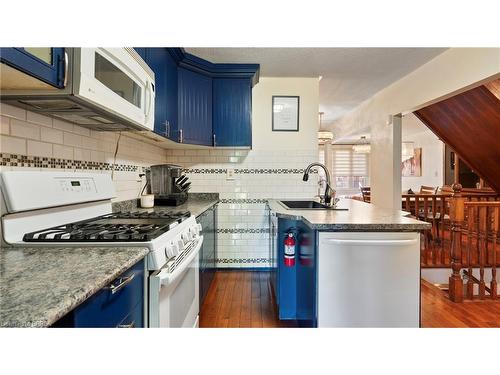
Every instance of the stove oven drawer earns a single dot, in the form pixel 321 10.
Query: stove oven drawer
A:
pixel 112 305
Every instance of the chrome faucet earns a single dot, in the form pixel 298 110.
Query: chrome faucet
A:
pixel 329 197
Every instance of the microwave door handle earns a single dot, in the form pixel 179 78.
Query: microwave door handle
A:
pixel 168 278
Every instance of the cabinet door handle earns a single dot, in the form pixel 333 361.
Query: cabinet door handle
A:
pixel 167 128
pixel 215 143
pixel 66 63
pixel 123 281
pixel 130 325
pixel 180 136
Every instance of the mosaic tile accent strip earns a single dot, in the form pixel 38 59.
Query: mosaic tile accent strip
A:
pixel 242 260
pixel 247 171
pixel 243 201
pixel 242 230
pixel 14 160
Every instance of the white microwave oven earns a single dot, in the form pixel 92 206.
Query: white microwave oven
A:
pixel 105 89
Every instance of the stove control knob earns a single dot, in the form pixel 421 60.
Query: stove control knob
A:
pixel 188 235
pixel 193 231
pixel 199 228
pixel 180 244
pixel 171 250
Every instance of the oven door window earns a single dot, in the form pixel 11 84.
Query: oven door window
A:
pixel 116 80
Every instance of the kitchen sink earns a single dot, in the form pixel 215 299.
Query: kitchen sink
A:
pixel 307 205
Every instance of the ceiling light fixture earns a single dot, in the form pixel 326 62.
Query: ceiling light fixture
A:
pixel 363 147
pixel 324 135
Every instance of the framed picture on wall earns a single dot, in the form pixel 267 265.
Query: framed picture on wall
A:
pixel 286 113
pixel 412 167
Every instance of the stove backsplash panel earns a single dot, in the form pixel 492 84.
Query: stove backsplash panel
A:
pixel 32 141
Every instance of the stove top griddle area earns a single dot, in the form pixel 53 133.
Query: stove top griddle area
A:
pixel 116 227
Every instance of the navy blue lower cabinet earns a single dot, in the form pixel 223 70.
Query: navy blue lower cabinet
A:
pixel 296 285
pixel 44 63
pixel 232 112
pixel 195 108
pixel 120 304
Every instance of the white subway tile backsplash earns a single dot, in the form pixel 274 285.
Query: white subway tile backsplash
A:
pixel 51 135
pixel 28 133
pixel 63 152
pixel 11 111
pixel 62 125
pixel 4 125
pixel 20 128
pixel 81 154
pixel 39 148
pixel 37 118
pixel 74 140
pixel 97 156
pixel 13 145
pixel 82 131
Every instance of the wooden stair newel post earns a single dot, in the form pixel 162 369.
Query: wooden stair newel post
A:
pixel 456 285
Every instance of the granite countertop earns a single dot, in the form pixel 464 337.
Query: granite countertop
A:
pixel 359 216
pixel 40 285
pixel 197 203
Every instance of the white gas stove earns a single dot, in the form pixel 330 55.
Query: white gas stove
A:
pixel 74 209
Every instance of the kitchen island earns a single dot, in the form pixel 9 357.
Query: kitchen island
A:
pixel 358 266
pixel 40 285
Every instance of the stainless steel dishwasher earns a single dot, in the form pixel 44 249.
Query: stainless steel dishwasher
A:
pixel 369 279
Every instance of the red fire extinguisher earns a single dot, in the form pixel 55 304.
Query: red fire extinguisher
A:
pixel 289 252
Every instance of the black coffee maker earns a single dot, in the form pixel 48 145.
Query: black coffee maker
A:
pixel 168 184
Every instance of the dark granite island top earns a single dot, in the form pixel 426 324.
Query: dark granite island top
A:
pixel 40 285
pixel 360 216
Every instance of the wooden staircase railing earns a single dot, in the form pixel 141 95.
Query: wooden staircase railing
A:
pixel 435 209
pixel 479 221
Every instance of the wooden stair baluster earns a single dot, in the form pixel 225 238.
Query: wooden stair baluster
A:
pixel 494 230
pixel 470 229
pixel 456 217
pixel 482 248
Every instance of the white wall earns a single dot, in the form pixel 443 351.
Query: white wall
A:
pixel 272 169
pixel 454 70
pixel 263 136
pixel 414 130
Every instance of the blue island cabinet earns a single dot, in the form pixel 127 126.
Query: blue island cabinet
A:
pixel 195 107
pixel 47 64
pixel 232 112
pixel 295 286
pixel 120 304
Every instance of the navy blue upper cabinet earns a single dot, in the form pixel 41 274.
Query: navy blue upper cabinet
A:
pixel 165 69
pixel 195 107
pixel 46 64
pixel 232 112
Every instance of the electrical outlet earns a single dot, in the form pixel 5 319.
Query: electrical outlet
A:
pixel 230 174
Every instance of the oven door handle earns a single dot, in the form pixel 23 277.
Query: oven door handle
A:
pixel 168 278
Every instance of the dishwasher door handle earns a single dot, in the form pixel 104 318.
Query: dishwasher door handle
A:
pixel 370 242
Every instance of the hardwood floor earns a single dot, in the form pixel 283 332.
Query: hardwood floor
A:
pixel 240 299
pixel 244 299
pixel 439 312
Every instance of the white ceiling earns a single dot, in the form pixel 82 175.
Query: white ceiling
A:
pixel 350 75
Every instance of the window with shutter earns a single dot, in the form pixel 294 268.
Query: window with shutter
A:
pixel 350 170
